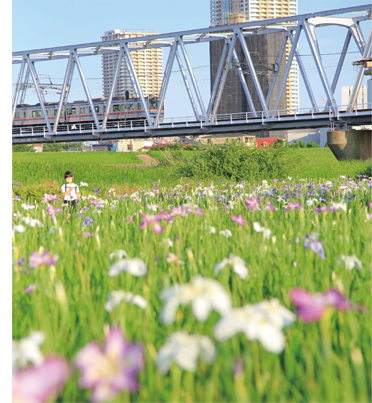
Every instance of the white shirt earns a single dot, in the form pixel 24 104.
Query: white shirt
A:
pixel 72 195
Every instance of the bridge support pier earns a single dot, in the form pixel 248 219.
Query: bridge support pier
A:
pixel 350 144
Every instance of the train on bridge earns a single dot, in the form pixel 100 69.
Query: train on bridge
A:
pixel 121 109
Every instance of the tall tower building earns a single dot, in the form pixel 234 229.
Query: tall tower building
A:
pixel 264 48
pixel 148 64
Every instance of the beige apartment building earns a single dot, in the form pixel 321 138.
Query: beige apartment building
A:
pixel 148 64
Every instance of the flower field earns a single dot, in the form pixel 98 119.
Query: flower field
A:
pixel 214 291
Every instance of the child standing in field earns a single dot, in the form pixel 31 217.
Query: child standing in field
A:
pixel 70 191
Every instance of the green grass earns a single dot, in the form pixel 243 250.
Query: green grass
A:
pixel 327 361
pixel 321 163
pixel 99 169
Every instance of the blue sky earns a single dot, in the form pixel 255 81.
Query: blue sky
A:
pixel 47 23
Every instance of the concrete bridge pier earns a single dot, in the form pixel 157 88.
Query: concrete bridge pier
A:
pixel 350 144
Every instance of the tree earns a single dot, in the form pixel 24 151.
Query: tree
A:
pixel 19 148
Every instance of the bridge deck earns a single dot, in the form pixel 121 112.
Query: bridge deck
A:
pixel 232 123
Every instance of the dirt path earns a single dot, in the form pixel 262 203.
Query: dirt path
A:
pixel 148 160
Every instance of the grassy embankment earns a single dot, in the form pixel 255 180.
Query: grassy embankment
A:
pixel 43 173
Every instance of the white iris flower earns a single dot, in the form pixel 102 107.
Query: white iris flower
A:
pixel 134 266
pixel 237 263
pixel 184 350
pixel 227 233
pixel 265 231
pixel 119 254
pixel 351 262
pixel 27 351
pixel 19 228
pixel 114 298
pixel 205 295
pixel 262 321
pixel 32 222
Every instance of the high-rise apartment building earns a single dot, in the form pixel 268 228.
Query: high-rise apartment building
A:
pixel 148 64
pixel 235 11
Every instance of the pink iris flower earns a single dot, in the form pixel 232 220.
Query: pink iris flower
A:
pixel 153 220
pixel 49 197
pixel 270 207
pixel 311 307
pixel 112 369
pixel 52 210
pixel 36 260
pixel 30 288
pixel 253 203
pixel 96 203
pixel 42 383
pixel 293 206
pixel 239 219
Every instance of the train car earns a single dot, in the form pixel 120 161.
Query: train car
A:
pixel 80 111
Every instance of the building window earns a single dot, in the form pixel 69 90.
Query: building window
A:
pixel 36 114
pixel 209 141
pixel 128 147
pixel 245 139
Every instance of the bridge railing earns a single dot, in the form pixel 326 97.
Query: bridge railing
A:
pixel 232 118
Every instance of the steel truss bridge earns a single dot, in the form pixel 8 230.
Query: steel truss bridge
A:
pixel 205 119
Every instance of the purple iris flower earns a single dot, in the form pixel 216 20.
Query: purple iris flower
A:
pixel 239 220
pixel 238 367
pixel 315 245
pixel 252 203
pixel 20 262
pixel 323 209
pixel 52 210
pixel 311 307
pixel 30 288
pixel 36 260
pixel 112 369
pixel 87 221
pixel 49 197
pixel 96 203
pixel 17 198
